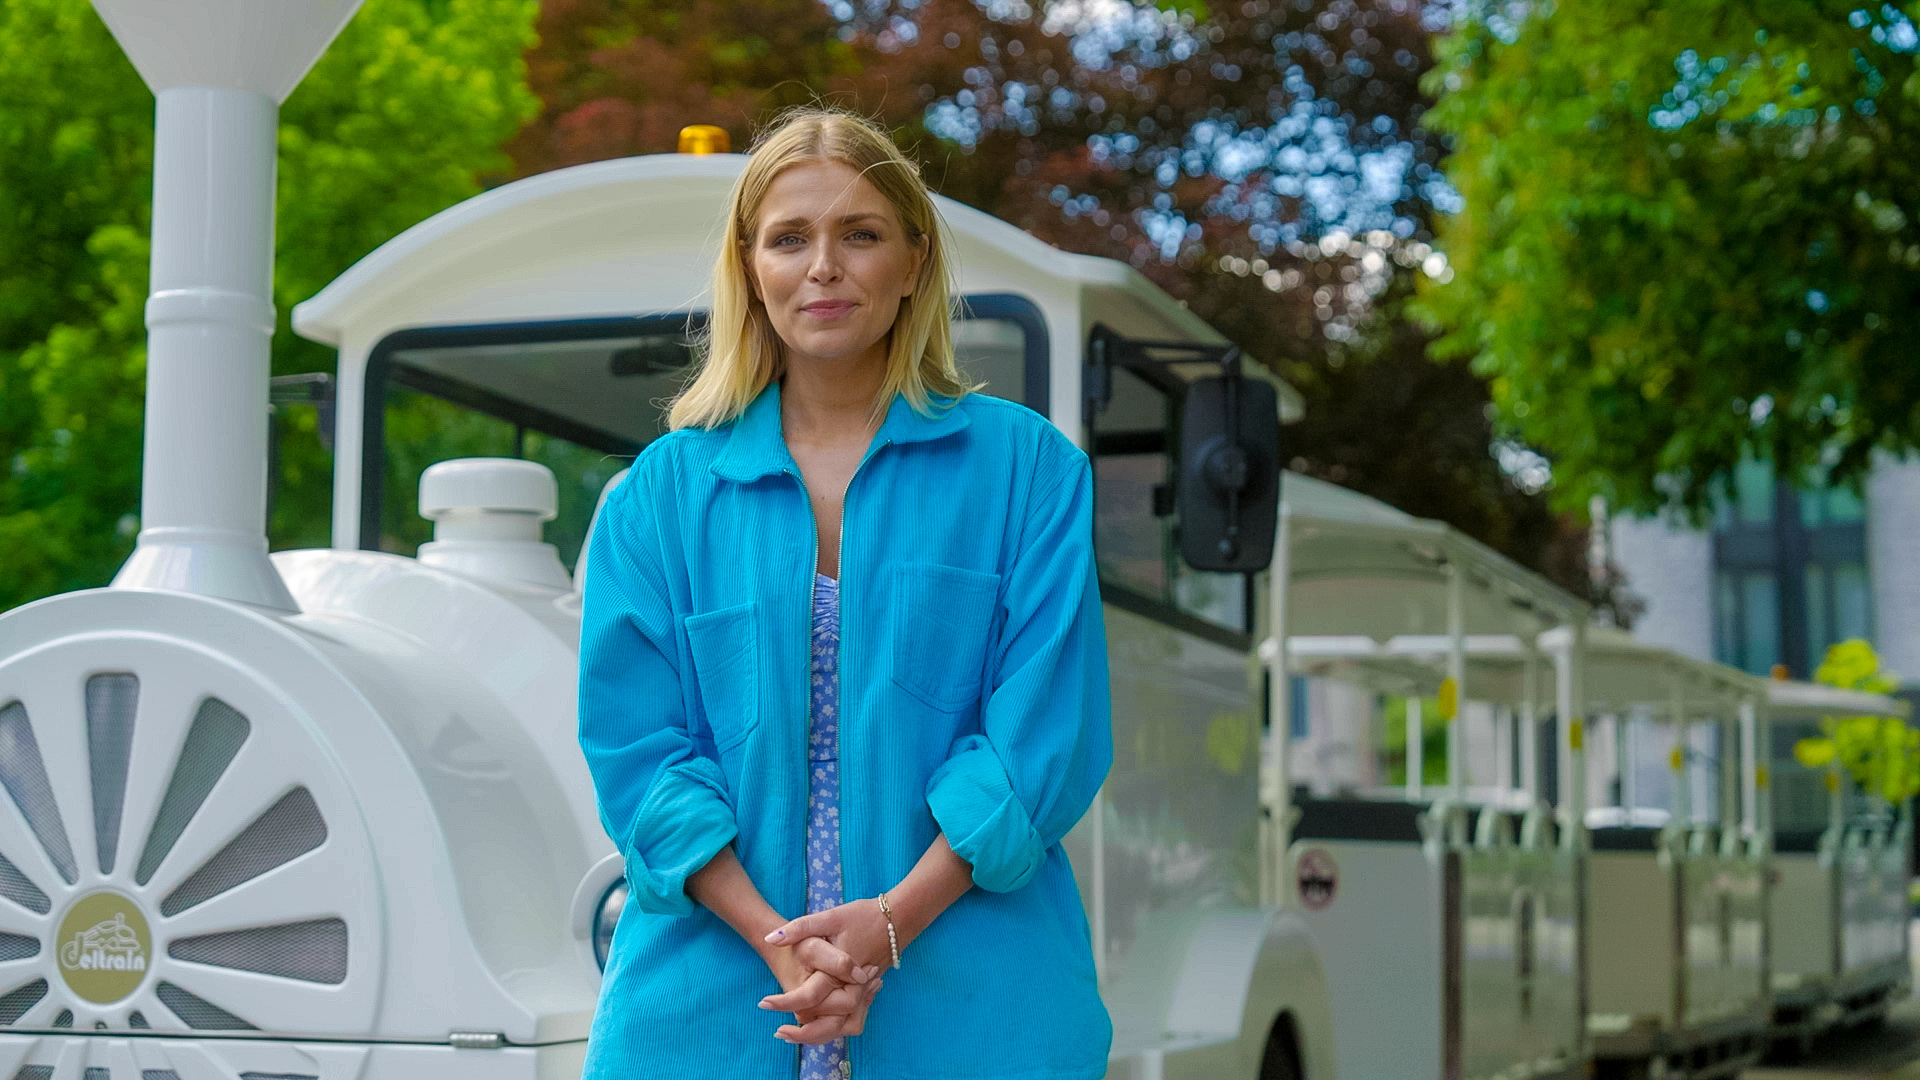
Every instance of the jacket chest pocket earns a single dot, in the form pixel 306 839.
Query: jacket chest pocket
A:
pixel 725 649
pixel 942 620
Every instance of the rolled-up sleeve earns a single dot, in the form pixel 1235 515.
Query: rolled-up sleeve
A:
pixel 662 801
pixel 1006 795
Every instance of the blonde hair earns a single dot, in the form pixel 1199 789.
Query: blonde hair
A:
pixel 740 352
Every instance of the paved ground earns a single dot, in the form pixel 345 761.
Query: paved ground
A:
pixel 1889 1053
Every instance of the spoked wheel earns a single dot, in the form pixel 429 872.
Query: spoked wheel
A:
pixel 178 850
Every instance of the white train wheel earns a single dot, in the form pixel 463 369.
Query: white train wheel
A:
pixel 178 850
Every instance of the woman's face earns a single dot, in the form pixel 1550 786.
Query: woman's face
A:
pixel 831 262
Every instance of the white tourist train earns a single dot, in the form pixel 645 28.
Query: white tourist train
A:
pixel 321 815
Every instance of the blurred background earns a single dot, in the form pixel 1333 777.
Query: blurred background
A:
pixel 1626 290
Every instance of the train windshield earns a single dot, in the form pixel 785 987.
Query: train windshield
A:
pixel 582 398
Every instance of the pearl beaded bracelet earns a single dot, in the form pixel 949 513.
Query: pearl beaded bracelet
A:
pixel 893 939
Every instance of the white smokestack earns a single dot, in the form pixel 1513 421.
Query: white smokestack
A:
pixel 219 70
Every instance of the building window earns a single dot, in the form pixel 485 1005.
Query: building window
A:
pixel 1820 506
pixel 1748 610
pixel 1790 576
pixel 1837 607
pixel 1752 495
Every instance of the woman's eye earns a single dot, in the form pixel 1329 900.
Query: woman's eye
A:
pixel 786 241
pixel 864 235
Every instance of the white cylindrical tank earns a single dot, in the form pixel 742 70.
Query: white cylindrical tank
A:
pixel 486 515
pixel 219 70
pixel 203 473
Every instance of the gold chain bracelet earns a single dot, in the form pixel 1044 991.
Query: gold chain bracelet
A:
pixel 893 939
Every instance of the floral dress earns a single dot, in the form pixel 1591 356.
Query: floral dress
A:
pixel 824 890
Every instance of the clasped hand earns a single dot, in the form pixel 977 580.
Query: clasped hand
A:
pixel 829 966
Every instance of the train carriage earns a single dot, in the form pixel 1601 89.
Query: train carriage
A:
pixel 1841 951
pixel 1676 925
pixel 1671 923
pixel 1458 916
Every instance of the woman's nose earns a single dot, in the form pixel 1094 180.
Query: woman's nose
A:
pixel 824 268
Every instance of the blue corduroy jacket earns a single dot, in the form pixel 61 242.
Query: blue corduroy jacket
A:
pixel 974 703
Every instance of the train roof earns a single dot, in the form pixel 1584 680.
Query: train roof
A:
pixel 1787 698
pixel 1357 566
pixel 636 235
pixel 1620 672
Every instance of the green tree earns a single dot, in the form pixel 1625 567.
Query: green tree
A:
pixel 1881 752
pixel 75 159
pixel 402 117
pixel 1691 235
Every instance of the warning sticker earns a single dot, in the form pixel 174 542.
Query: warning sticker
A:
pixel 1317 877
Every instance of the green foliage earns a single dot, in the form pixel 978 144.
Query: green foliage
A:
pixel 1881 753
pixel 1196 10
pixel 1393 741
pixel 1853 665
pixel 1691 234
pixel 403 116
pixel 75 161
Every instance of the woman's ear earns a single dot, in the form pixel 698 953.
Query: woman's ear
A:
pixel 919 249
pixel 746 267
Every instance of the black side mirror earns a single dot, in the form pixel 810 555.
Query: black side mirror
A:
pixel 1229 487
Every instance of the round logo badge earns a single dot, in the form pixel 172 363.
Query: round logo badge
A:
pixel 103 947
pixel 1317 877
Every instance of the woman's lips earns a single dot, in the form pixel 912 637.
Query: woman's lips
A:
pixel 828 309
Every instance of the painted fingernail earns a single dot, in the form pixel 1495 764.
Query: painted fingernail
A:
pixel 776 935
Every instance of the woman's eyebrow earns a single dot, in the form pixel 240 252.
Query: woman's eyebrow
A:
pixel 807 222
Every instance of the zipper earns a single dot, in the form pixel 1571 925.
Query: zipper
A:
pixel 806 694
pixel 839 668
pixel 806 699
pixel 840 656
pixel 840 703
pixel 840 641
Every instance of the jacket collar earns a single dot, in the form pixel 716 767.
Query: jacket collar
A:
pixel 756 448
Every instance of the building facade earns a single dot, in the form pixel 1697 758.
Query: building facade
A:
pixel 1782 571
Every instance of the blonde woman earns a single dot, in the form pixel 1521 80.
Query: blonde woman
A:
pixel 843 673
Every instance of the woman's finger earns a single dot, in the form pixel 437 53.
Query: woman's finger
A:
pixel 823 955
pixel 809 996
pixel 823 1030
pixel 843 1000
pixel 840 1001
pixel 806 926
pixel 815 1027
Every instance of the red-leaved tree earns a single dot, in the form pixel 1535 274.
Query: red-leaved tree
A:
pixel 1262 160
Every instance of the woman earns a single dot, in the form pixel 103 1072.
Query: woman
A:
pixel 842 654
